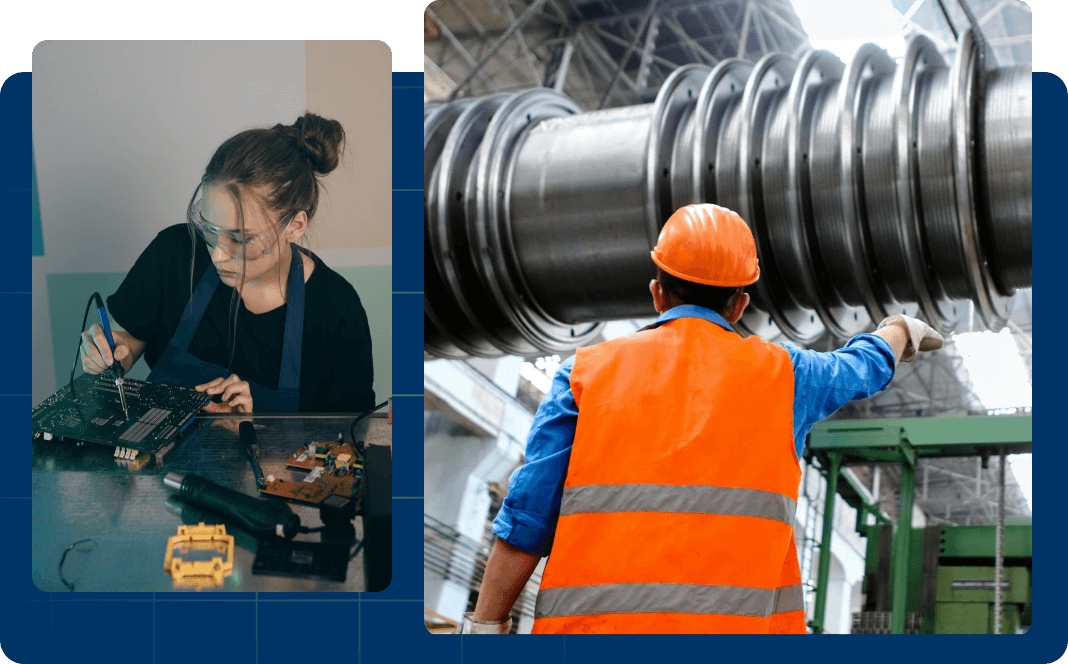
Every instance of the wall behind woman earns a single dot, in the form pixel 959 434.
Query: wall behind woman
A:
pixel 122 132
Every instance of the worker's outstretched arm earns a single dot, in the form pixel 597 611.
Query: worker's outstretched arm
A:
pixel 824 382
pixel 507 571
pixel 908 336
pixel 896 336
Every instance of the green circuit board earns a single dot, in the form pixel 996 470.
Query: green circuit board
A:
pixel 90 410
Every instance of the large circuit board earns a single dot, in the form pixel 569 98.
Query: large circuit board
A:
pixel 90 410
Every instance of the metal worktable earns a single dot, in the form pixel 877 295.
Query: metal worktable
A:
pixel 82 492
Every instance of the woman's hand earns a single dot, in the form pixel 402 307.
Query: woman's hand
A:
pixel 96 354
pixel 236 395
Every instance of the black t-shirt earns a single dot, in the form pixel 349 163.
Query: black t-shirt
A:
pixel 336 373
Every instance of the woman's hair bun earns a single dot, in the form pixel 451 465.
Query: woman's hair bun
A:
pixel 323 141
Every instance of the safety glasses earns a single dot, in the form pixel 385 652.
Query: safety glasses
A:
pixel 234 243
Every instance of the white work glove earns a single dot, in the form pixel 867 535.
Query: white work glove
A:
pixel 472 626
pixel 922 337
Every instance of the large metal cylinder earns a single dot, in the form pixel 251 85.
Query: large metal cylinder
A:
pixel 871 188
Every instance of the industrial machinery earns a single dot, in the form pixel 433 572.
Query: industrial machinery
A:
pixel 871 187
pixel 951 573
pixel 939 579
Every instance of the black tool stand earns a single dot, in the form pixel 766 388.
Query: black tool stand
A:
pixel 378 518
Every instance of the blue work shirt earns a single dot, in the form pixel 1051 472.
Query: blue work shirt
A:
pixel 823 383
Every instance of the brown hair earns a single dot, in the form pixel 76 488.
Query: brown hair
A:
pixel 284 164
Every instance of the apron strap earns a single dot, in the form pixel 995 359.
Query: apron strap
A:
pixel 194 311
pixel 292 341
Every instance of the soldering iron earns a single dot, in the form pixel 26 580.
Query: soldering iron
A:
pixel 116 367
pixel 247 434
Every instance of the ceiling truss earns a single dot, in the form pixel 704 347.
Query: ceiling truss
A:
pixel 620 52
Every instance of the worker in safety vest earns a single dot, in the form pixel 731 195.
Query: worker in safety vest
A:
pixel 662 468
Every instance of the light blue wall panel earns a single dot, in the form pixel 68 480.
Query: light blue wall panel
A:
pixel 374 284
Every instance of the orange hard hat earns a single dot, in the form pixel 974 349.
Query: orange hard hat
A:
pixel 707 244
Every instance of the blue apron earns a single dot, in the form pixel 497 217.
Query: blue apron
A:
pixel 176 366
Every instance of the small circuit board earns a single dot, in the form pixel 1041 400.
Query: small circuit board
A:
pixel 335 478
pixel 90 410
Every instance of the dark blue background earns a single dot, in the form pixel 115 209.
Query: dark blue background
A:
pixel 380 627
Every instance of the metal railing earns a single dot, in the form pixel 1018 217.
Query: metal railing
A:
pixel 460 559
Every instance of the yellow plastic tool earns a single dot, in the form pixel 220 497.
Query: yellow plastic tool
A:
pixel 200 573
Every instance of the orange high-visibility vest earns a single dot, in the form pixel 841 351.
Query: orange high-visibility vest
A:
pixel 678 505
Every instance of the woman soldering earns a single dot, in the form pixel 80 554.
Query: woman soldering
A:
pixel 228 304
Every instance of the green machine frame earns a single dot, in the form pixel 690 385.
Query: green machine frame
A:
pixel 841 443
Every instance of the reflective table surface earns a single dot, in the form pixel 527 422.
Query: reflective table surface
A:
pixel 82 492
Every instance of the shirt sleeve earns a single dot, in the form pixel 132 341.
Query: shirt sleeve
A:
pixel 527 520
pixel 824 382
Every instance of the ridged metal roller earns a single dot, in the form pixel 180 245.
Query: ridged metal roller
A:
pixel 871 188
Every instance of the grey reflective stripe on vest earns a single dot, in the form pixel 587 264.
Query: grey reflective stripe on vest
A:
pixel 789 598
pixel 666 598
pixel 600 498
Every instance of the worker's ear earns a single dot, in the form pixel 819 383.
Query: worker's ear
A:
pixel 656 289
pixel 297 226
pixel 737 306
